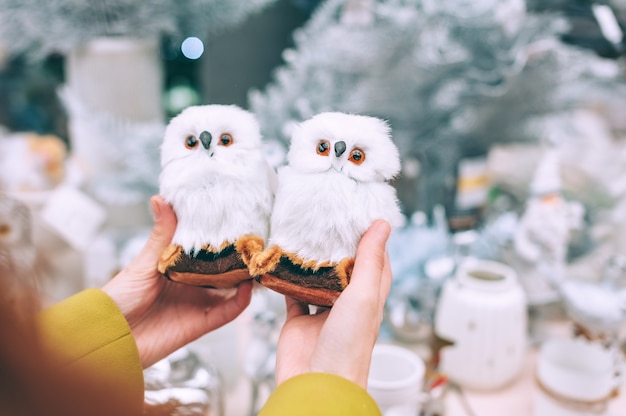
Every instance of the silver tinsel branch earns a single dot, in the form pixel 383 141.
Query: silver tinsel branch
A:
pixel 449 76
pixel 428 66
pixel 38 28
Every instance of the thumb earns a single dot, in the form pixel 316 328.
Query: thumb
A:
pixel 369 273
pixel 370 254
pixel 160 237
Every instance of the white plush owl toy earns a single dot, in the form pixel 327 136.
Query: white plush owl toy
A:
pixel 215 176
pixel 334 186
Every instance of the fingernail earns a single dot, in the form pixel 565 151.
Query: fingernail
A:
pixel 381 226
pixel 381 229
pixel 156 209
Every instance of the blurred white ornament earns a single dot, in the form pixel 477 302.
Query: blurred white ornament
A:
pixel 260 358
pixel 184 385
pixel 31 163
pixel 542 237
pixel 599 310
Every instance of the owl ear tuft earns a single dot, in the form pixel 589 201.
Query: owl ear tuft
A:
pixel 388 153
pixel 391 168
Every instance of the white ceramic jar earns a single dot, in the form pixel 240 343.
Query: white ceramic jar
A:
pixel 482 311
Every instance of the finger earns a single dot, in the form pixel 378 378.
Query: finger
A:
pixel 369 263
pixel 222 313
pixel 385 286
pixel 369 281
pixel 160 237
pixel 244 293
pixel 354 320
pixel 295 308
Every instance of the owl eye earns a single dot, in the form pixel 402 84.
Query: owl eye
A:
pixel 226 139
pixel 323 148
pixel 191 142
pixel 357 156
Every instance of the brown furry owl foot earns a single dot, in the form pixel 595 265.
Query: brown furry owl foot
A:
pixel 304 281
pixel 217 268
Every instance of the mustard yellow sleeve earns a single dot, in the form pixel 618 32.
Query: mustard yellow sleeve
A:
pixel 88 331
pixel 315 394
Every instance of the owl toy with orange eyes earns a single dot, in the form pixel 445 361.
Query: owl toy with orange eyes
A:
pixel 334 186
pixel 215 176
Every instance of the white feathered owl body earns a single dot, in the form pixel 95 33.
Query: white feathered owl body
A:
pixel 328 227
pixel 215 176
pixel 334 186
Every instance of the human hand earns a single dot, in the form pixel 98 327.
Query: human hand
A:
pixel 340 340
pixel 165 315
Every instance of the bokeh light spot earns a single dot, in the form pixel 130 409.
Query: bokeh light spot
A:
pixel 192 48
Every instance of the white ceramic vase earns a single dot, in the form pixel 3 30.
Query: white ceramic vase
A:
pixel 482 310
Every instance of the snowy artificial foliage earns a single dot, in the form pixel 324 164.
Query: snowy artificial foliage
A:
pixel 131 147
pixel 38 28
pixel 451 77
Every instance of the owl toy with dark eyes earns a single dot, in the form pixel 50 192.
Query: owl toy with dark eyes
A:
pixel 215 176
pixel 334 186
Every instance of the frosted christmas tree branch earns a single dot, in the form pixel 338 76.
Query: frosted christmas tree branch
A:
pixel 38 28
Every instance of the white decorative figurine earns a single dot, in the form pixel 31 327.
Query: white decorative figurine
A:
pixel 544 231
pixel 332 189
pixel 216 178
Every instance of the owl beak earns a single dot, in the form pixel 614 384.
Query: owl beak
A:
pixel 340 147
pixel 205 138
